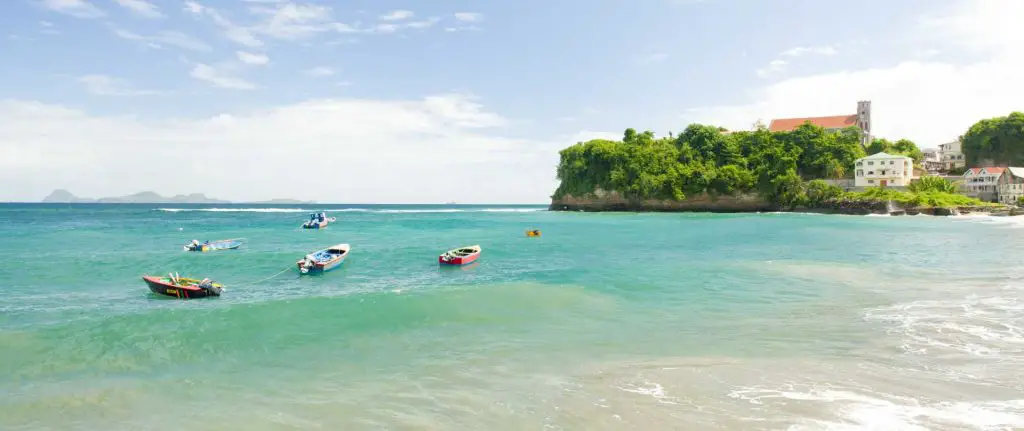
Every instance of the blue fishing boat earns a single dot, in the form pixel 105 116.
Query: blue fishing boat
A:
pixel 323 260
pixel 223 244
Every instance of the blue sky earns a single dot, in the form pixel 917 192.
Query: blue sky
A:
pixel 401 93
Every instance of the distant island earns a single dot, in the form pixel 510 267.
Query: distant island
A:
pixel 64 196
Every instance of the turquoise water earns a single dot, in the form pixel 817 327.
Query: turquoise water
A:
pixel 607 321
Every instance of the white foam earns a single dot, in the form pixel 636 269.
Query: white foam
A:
pixel 240 210
pixel 859 409
pixel 650 388
pixel 1007 221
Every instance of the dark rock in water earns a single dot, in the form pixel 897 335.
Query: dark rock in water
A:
pixel 913 211
pixel 946 212
pixel 898 213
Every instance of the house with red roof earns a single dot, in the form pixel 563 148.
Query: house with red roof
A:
pixel 1011 185
pixel 861 120
pixel 983 183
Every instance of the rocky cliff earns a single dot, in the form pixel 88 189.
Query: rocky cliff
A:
pixel 602 200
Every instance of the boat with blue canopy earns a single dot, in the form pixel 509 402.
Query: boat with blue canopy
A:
pixel 321 261
pixel 222 244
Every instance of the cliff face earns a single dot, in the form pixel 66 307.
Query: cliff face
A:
pixel 602 200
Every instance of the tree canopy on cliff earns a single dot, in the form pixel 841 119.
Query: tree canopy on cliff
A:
pixel 706 159
pixel 904 147
pixel 995 141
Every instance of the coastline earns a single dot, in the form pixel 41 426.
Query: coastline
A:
pixel 602 201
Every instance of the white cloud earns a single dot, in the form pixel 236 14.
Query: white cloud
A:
pixel 104 85
pixel 292 21
pixel 251 58
pixel 233 32
pixel 816 50
pixel 469 16
pixel 320 71
pixel 75 8
pixel 141 7
pixel 46 23
pixel 778 64
pixel 174 38
pixel 399 150
pixel 773 66
pixel 929 102
pixel 219 78
pixel 397 15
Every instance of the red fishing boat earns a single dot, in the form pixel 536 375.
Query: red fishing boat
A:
pixel 181 287
pixel 460 256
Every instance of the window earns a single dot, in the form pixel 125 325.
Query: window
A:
pixel 860 163
pixel 871 181
pixel 890 162
pixel 860 172
pixel 871 172
pixel 871 163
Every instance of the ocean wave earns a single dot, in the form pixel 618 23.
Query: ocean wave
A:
pixel 238 210
pixel 366 210
pixel 860 409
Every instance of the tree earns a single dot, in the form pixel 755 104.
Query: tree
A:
pixel 995 141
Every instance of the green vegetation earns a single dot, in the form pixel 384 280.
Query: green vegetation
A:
pixel 904 147
pixel 785 168
pixel 703 159
pixel 995 141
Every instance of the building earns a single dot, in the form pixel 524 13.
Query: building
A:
pixel 1011 185
pixel 932 161
pixel 883 170
pixel 950 156
pixel 860 120
pixel 982 183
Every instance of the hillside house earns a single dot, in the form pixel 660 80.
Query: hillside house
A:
pixel 982 183
pixel 882 170
pixel 1010 185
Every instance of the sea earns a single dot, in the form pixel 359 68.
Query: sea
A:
pixel 608 321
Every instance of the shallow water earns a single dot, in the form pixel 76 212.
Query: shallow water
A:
pixel 607 321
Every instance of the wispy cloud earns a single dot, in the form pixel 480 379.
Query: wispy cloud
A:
pixel 75 8
pixel 321 71
pixel 396 15
pixel 141 7
pixel 173 38
pixel 816 50
pixel 779 63
pixel 469 16
pixel 218 78
pixel 104 85
pixel 292 21
pixel 233 32
pixel 773 66
pixel 251 58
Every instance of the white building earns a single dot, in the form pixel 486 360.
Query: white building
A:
pixel 951 156
pixel 932 161
pixel 1011 185
pixel 883 170
pixel 982 183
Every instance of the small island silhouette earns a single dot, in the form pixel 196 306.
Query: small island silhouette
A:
pixel 147 197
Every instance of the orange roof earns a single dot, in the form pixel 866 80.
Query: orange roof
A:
pixel 990 170
pixel 833 122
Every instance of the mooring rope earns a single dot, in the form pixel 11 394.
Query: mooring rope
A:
pixel 265 279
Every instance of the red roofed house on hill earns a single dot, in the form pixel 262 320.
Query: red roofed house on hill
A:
pixel 835 123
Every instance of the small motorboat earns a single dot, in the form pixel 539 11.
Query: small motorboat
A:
pixel 460 256
pixel 318 221
pixel 532 233
pixel 323 260
pixel 223 244
pixel 182 287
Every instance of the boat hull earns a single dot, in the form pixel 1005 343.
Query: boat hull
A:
pixel 161 286
pixel 449 259
pixel 315 225
pixel 322 266
pixel 217 246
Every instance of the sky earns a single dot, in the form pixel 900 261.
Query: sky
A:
pixel 383 101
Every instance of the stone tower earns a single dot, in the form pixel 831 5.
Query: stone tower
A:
pixel 864 121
